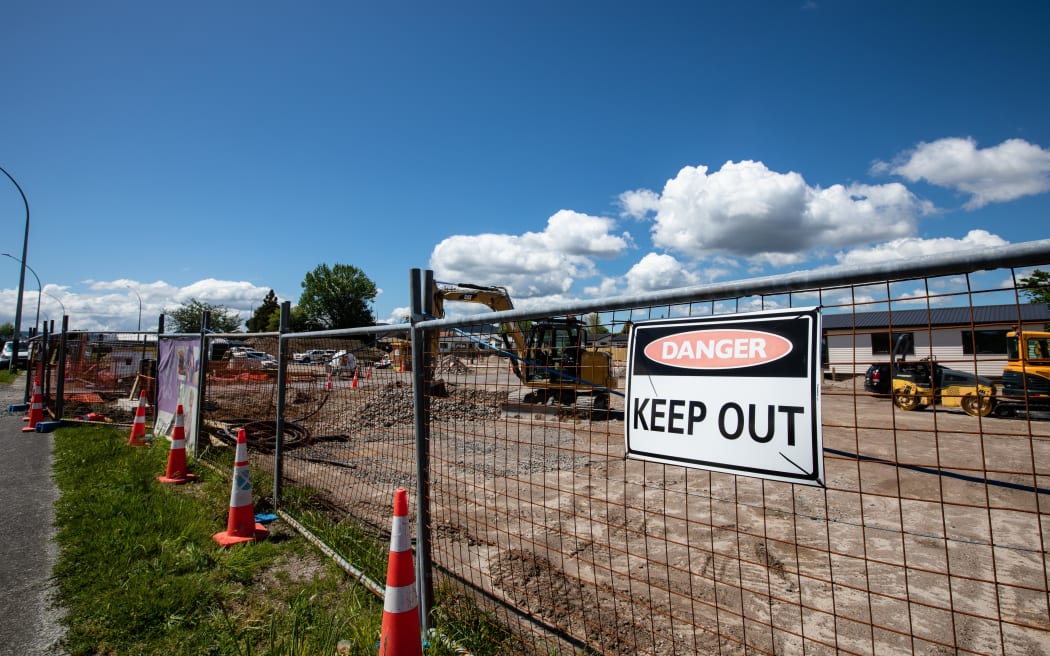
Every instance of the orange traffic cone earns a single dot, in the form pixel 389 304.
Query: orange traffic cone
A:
pixel 36 408
pixel 353 383
pixel 368 373
pixel 176 472
pixel 328 383
pixel 138 429
pixel 400 632
pixel 241 526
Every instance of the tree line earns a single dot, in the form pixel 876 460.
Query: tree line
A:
pixel 333 297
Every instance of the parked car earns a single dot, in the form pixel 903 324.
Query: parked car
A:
pixel 314 356
pixel 23 354
pixel 878 379
pixel 255 359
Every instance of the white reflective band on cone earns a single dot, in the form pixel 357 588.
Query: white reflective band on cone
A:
pixel 399 538
pixel 241 490
pixel 399 599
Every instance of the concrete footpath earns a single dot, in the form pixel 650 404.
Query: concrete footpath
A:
pixel 29 625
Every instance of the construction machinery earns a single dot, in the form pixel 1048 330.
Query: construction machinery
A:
pixel 1026 377
pixel 550 357
pixel 918 385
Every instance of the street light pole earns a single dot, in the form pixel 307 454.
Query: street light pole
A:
pixel 140 306
pixel 59 302
pixel 39 288
pixel 21 277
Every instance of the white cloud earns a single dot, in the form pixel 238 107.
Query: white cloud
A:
pixel 638 203
pixel 746 210
pixel 532 264
pixel 115 304
pixel 914 247
pixel 1011 170
pixel 655 272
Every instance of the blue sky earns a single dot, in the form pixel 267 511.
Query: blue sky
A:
pixel 563 149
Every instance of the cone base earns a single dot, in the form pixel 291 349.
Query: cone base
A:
pixel 226 539
pixel 29 429
pixel 177 481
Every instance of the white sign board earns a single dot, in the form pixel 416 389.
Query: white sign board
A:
pixel 732 393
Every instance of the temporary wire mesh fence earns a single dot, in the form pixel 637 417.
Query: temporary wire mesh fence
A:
pixel 928 535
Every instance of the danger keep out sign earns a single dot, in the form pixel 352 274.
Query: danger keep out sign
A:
pixel 737 393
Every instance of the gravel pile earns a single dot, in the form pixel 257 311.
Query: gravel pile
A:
pixel 392 405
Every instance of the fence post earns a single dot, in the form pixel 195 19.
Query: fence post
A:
pixel 422 305
pixel 45 357
pixel 202 377
pixel 282 377
pixel 156 372
pixel 60 385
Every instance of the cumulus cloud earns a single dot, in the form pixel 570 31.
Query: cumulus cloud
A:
pixel 658 271
pixel 535 263
pixel 653 272
pixel 116 304
pixel 639 202
pixel 1011 170
pixel 746 210
pixel 914 247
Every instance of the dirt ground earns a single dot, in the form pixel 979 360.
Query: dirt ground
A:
pixel 931 541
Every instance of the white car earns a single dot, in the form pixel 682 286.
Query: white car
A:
pixel 314 356
pixel 23 354
pixel 255 359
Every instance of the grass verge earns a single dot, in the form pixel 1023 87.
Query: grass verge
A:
pixel 139 573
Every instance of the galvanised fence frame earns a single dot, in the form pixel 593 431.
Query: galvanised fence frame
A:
pixel 536 534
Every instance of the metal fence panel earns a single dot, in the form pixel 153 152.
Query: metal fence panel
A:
pixel 930 534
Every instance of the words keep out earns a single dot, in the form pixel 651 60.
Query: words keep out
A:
pixel 760 422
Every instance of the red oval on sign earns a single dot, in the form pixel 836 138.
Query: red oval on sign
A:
pixel 718 349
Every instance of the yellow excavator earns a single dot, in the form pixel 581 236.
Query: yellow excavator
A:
pixel 550 357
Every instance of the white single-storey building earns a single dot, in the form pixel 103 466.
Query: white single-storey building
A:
pixel 970 339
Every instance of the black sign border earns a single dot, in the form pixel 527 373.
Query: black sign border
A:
pixel 811 314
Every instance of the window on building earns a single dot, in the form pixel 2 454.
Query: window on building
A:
pixel 881 343
pixel 984 342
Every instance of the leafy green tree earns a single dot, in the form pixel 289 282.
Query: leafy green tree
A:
pixel 6 330
pixel 187 318
pixel 336 297
pixel 1036 286
pixel 260 319
pixel 594 324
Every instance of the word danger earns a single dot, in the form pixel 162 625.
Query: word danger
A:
pixel 718 349
pixel 684 417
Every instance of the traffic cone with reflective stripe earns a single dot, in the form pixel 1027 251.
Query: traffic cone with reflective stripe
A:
pixel 353 383
pixel 36 408
pixel 138 429
pixel 368 373
pixel 176 472
pixel 241 526
pixel 400 632
pixel 328 382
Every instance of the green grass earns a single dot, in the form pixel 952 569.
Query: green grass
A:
pixel 139 573
pixel 7 378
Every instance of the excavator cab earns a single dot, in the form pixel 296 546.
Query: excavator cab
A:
pixel 552 351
